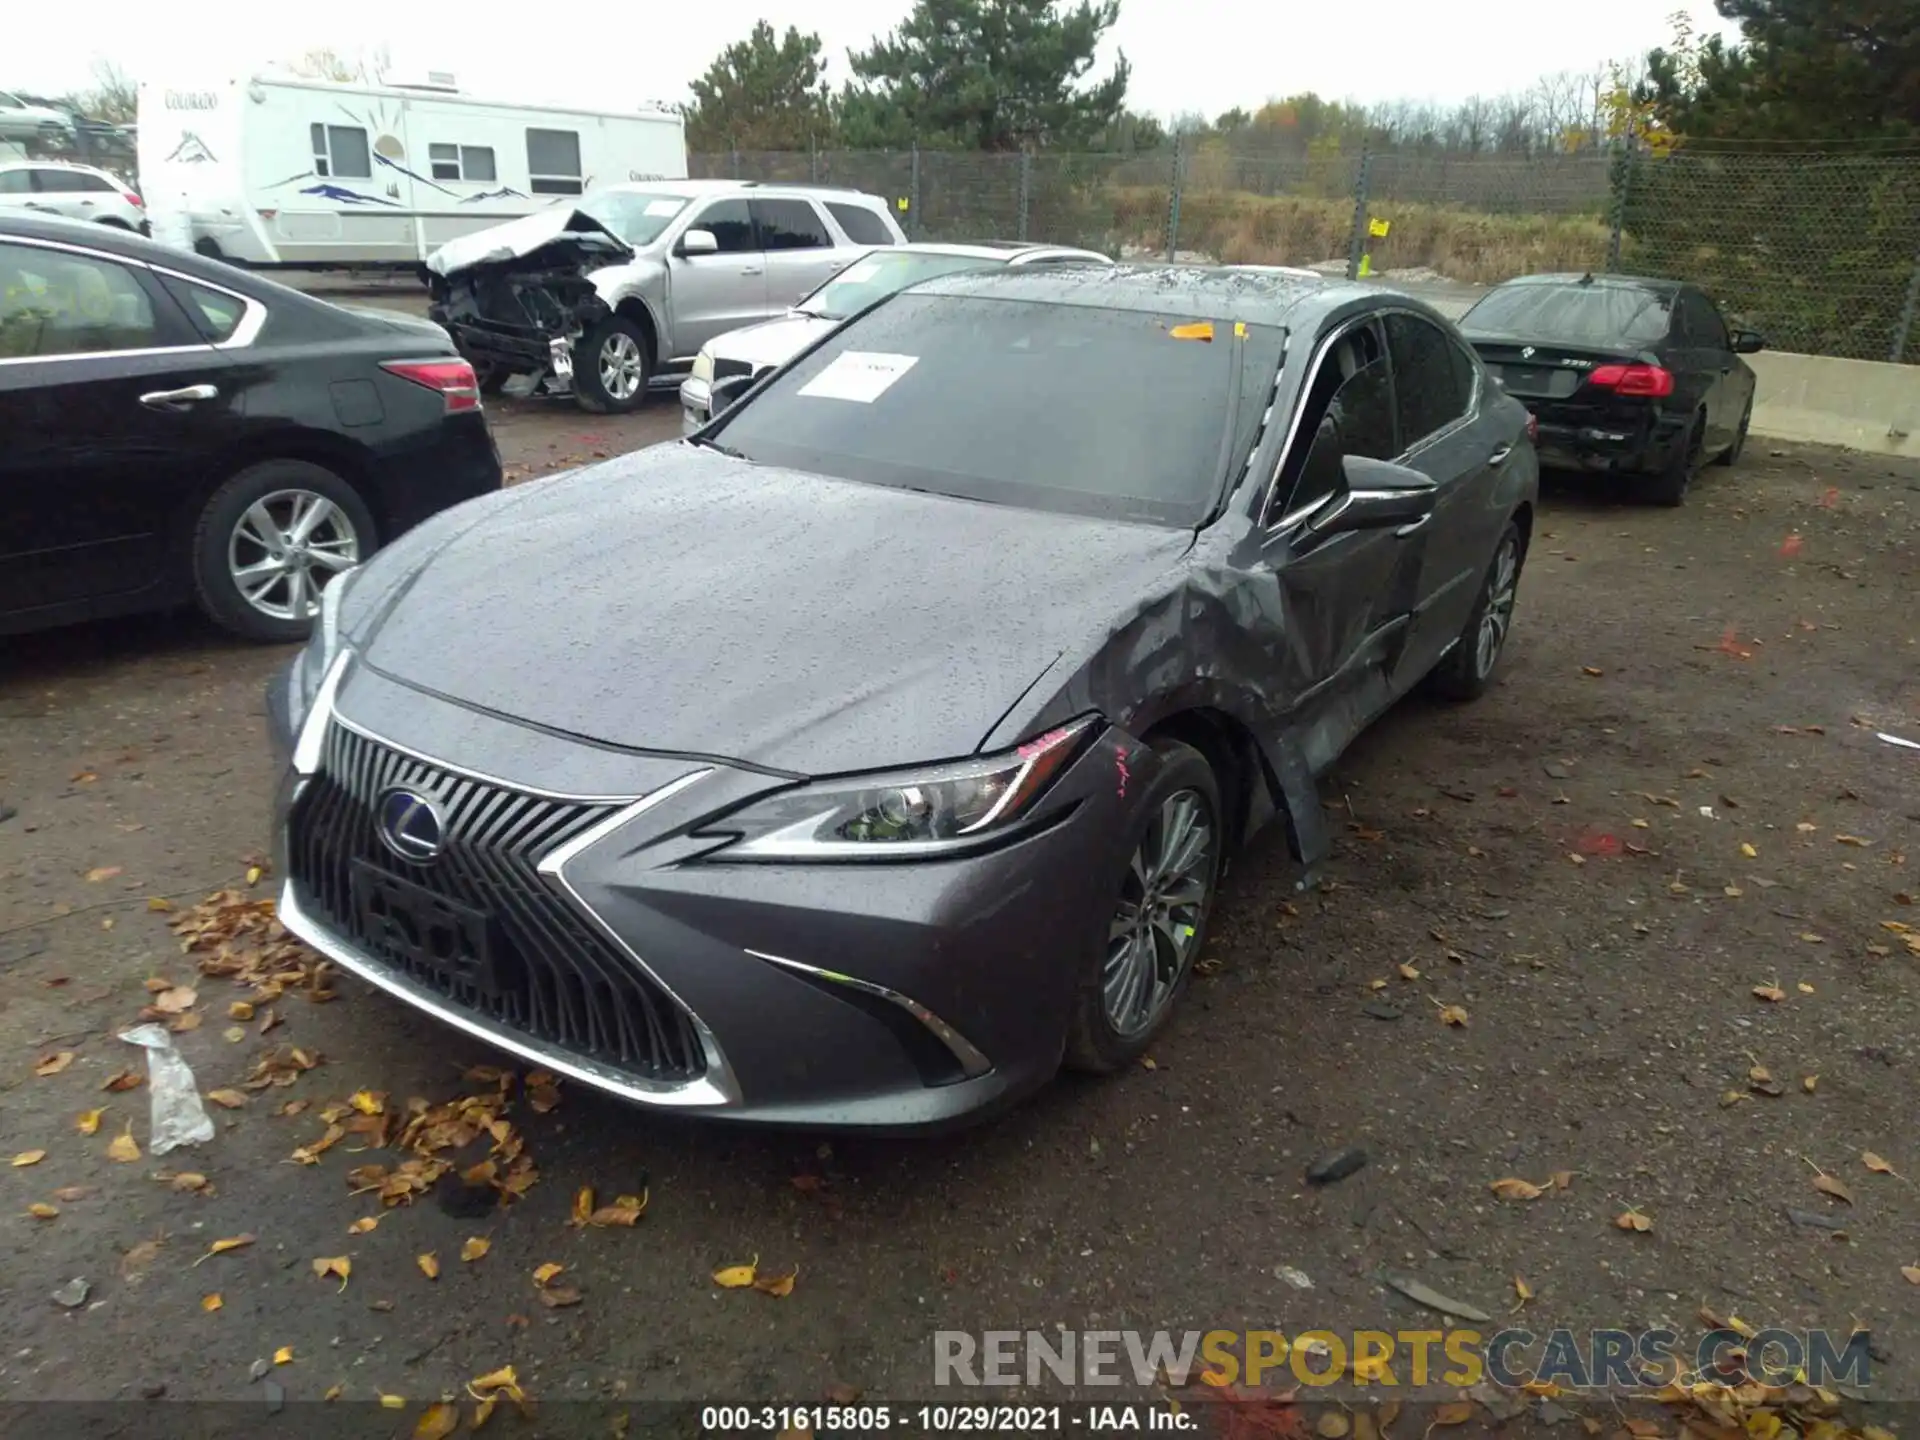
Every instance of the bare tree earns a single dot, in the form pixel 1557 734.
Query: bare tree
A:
pixel 360 67
pixel 113 96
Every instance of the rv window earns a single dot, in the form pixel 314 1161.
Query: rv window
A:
pixel 553 162
pixel 461 162
pixel 341 150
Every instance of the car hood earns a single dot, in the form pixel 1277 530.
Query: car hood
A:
pixel 679 600
pixel 773 342
pixel 520 238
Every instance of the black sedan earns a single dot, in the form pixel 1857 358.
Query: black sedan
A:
pixel 1624 375
pixel 868 754
pixel 175 429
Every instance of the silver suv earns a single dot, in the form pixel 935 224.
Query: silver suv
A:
pixel 667 265
pixel 78 192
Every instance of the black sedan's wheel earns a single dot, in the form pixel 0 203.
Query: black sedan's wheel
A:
pixel 1142 962
pixel 1466 671
pixel 1669 487
pixel 270 540
pixel 1733 452
pixel 610 367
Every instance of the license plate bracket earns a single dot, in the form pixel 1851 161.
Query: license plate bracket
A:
pixel 425 931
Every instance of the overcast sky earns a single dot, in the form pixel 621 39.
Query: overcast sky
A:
pixel 1205 55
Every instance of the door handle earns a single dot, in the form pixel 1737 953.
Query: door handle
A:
pixel 1499 456
pixel 751 270
pixel 178 399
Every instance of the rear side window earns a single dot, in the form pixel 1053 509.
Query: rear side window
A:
pixel 863 227
pixel 790 225
pixel 1428 393
pixel 1704 325
pixel 1576 314
pixel 70 182
pixel 15 182
pixel 215 314
pixel 57 303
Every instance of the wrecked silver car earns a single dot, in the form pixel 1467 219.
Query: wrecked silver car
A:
pixel 518 297
pixel 633 279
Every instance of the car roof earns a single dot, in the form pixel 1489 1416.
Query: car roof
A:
pixel 986 249
pixel 1254 296
pixel 1648 283
pixel 53 165
pixel 697 188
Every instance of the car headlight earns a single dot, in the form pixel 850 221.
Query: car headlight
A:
pixel 902 814
pixel 703 365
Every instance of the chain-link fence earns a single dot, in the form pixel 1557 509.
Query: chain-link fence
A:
pixel 1818 251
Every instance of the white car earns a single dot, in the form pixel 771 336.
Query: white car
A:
pixel 76 192
pixel 20 121
pixel 755 349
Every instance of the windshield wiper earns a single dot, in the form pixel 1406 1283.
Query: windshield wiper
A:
pixel 726 450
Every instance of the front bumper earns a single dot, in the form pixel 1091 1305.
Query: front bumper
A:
pixel 899 997
pixel 696 404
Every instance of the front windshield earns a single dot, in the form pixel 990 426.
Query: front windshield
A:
pixel 1115 413
pixel 878 275
pixel 1599 314
pixel 636 216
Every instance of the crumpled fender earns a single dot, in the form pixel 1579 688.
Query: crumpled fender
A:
pixel 642 281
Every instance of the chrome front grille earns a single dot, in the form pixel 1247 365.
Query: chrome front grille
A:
pixel 554 976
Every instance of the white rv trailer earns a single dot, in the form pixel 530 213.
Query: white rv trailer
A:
pixel 280 171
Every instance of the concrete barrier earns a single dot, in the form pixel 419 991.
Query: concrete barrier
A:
pixel 1862 404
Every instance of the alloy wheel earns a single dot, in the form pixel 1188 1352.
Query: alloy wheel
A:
pixel 1497 618
pixel 622 367
pixel 1150 941
pixel 284 549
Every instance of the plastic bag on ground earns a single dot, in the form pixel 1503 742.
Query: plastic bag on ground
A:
pixel 179 1118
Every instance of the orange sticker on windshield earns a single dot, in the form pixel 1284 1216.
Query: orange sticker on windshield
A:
pixel 1201 331
pixel 1239 329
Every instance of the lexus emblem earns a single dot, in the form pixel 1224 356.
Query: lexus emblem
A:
pixel 1526 352
pixel 410 825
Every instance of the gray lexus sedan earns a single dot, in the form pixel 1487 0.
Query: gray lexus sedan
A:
pixel 875 752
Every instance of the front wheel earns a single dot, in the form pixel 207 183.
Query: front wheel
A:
pixel 270 540
pixel 610 367
pixel 1140 964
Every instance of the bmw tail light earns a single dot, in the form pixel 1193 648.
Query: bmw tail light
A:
pixel 1652 381
pixel 454 379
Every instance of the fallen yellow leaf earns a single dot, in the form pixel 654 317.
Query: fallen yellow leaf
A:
pixel 1514 1188
pixel 1771 993
pixel 582 1206
pixel 1809 1083
pixel 1456 1412
pixel 87 1122
pixel 333 1392
pixel 367 1103
pixel 240 1010
pixel 1408 972
pixel 227 1099
pixel 429 1265
pixel 474 1247
pixel 336 1266
pixel 363 1224
pixel 1912 1272
pixel 1748 851
pixel 40 1210
pixel 483 1412
pixel 28 1157
pixel 53 1064
pixel 102 872
pixel 1203 330
pixel 221 1247
pixel 211 1303
pixel 625 1210
pixel 159 903
pixel 1633 1220
pixel 124 1147
pixel 438 1421
pixel 501 1379
pixel 393 1402
pixel 1522 1289
pixel 1829 1185
pixel 546 1272
pixel 1562 1179
pixel 735 1277
pixel 284 1355
pixel 1455 1015
pixel 253 874
pixel 1874 1163
pixel 777 1286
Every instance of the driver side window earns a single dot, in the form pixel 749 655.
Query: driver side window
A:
pixel 731 224
pixel 1348 411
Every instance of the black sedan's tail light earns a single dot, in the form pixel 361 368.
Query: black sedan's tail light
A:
pixel 1649 380
pixel 454 379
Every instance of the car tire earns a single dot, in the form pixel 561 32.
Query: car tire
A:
pixel 611 367
pixel 1731 456
pixel 1466 671
pixel 1669 486
pixel 1107 1032
pixel 246 524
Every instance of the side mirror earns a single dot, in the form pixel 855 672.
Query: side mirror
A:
pixel 1748 342
pixel 724 392
pixel 699 242
pixel 1376 495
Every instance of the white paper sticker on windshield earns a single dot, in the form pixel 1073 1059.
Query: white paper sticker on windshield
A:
pixel 860 273
pixel 859 375
pixel 664 207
